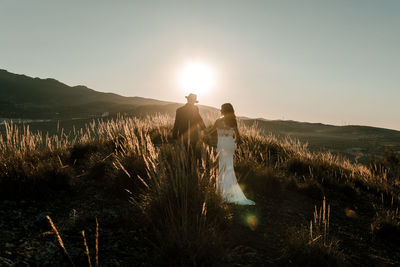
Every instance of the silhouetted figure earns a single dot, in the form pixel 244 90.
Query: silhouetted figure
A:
pixel 188 122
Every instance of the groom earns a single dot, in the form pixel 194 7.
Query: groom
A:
pixel 187 122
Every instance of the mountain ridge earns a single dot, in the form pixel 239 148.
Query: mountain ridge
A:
pixel 21 95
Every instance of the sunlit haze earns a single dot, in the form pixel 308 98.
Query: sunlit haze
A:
pixel 334 62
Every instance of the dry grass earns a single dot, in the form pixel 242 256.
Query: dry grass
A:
pixel 60 241
pixel 22 149
pixel 294 158
pixel 386 223
pixel 182 209
pixel 319 226
pixel 174 189
pixel 85 244
pixel 314 247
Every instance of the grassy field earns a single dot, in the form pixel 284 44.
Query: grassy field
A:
pixel 357 143
pixel 122 192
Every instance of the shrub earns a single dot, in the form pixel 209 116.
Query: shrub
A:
pixel 386 225
pixel 34 177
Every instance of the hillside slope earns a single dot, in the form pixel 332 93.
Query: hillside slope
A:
pixel 353 141
pixel 26 97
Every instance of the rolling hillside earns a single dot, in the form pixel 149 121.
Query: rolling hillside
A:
pixel 34 98
pixel 353 141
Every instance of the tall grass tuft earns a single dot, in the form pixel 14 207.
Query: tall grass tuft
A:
pixel 314 247
pixel 319 226
pixel 185 215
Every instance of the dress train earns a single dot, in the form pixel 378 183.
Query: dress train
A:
pixel 227 182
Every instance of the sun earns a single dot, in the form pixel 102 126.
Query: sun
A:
pixel 197 78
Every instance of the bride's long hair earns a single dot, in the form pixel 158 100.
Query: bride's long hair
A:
pixel 229 115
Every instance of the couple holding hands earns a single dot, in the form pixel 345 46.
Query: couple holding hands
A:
pixel 187 124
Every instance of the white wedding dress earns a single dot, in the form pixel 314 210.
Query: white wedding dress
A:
pixel 227 182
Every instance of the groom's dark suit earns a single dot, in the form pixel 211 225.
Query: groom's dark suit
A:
pixel 187 124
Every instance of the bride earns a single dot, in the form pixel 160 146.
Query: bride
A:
pixel 227 184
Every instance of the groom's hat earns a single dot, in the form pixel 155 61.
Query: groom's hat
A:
pixel 192 98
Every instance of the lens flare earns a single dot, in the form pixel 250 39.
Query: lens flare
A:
pixel 252 221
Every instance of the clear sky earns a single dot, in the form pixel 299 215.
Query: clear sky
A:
pixel 335 62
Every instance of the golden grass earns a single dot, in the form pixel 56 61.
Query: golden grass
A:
pixel 86 249
pixel 319 226
pixel 60 241
pixel 179 200
pixel 138 136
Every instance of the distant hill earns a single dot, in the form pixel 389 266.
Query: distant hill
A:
pixel 33 98
pixel 353 141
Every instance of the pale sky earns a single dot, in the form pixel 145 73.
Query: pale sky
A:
pixel 335 62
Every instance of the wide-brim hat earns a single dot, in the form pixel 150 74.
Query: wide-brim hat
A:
pixel 192 98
